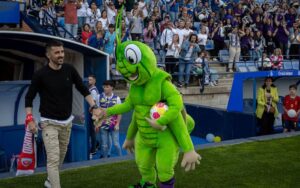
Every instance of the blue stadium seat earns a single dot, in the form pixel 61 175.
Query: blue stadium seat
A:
pixel 241 67
pixel 252 66
pixel 287 65
pixel 224 56
pixel 295 64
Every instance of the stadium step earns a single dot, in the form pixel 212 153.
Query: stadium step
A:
pixel 213 100
pixel 195 90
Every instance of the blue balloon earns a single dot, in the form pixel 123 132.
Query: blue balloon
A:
pixel 210 137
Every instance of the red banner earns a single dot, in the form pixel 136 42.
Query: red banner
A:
pixel 26 160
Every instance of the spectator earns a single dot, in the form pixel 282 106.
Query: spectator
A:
pixel 136 28
pixel 184 15
pixel 213 73
pixel 294 48
pixel 202 38
pixel 266 111
pixel 125 36
pixel 96 41
pixel 174 10
pixel 276 59
pixel 181 31
pixel 109 42
pixel 166 39
pixel 93 15
pixel 270 43
pixel 259 24
pixel 95 94
pixel 86 33
pixel 99 27
pixel 104 20
pixel 190 7
pixel 111 12
pixel 165 23
pixel 48 18
pixel 268 25
pixel 198 71
pixel 71 20
pixel 264 62
pixel 150 34
pixel 172 54
pixel 156 13
pixel 118 4
pixel 82 12
pixel 188 54
pixel 156 3
pixel 234 47
pixel 218 36
pixel 110 126
pixel 281 33
pixel 142 5
pixel 259 44
pixel 291 102
pixel 246 42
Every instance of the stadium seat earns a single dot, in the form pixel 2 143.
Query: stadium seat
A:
pixel 252 66
pixel 287 65
pixel 241 67
pixel 209 45
pixel 295 64
pixel 224 56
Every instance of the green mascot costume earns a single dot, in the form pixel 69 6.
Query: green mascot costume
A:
pixel 156 142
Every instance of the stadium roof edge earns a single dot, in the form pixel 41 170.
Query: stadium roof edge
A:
pixel 77 46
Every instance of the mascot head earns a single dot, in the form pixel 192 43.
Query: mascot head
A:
pixel 135 60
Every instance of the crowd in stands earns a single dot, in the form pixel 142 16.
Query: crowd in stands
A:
pixel 179 30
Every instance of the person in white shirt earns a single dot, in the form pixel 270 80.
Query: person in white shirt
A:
pixel 111 12
pixel 264 62
pixel 165 39
pixel 143 6
pixel 104 20
pixel 172 54
pixel 181 31
pixel 93 15
pixel 202 38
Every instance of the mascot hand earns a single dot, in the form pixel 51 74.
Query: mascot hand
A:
pixel 190 159
pixel 154 125
pixel 129 145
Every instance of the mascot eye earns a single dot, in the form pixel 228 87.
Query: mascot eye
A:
pixel 133 54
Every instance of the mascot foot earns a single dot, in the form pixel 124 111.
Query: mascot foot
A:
pixel 143 184
pixel 167 184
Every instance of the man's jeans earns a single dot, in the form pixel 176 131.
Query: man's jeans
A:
pixel 71 28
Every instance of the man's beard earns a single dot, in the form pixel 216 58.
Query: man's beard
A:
pixel 58 61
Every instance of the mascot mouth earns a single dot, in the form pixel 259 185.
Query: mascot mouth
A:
pixel 133 77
